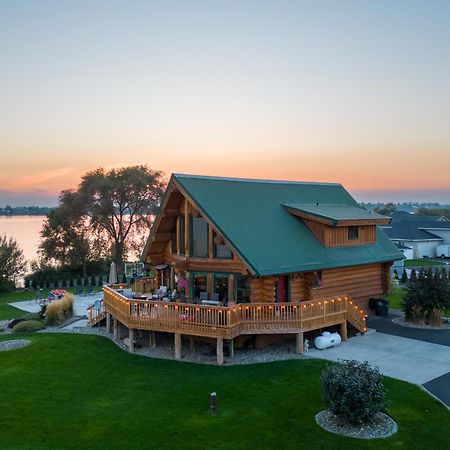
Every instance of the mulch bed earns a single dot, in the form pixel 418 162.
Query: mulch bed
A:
pixel 382 426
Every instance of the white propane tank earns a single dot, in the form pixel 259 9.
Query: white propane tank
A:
pixel 326 340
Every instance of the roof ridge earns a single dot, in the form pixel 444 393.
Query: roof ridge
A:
pixel 254 180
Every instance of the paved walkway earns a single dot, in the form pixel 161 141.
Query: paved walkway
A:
pixel 384 324
pixel 82 302
pixel 398 357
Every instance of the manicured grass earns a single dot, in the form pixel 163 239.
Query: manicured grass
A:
pixel 72 391
pixel 395 297
pixel 422 263
pixel 9 312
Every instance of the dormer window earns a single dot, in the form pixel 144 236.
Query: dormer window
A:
pixel 353 233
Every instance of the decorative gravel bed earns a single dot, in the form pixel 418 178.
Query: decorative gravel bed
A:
pixel 382 426
pixel 204 353
pixel 13 344
pixel 401 321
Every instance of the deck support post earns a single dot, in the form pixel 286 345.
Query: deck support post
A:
pixel 192 345
pixel 108 323
pixel 177 346
pixel 344 331
pixel 115 329
pixel 131 339
pixel 299 343
pixel 152 341
pixel 219 351
pixel 231 348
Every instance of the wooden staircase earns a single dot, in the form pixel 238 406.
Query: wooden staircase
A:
pixel 95 317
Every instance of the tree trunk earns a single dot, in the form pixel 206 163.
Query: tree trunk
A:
pixel 118 257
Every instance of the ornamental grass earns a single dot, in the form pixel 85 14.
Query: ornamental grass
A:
pixel 59 310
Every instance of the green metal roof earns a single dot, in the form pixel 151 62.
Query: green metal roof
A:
pixel 335 212
pixel 251 216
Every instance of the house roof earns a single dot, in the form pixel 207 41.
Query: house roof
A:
pixel 409 231
pixel 335 212
pixel 251 217
pixel 402 247
pixel 435 221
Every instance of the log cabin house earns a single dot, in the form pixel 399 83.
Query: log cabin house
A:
pixel 256 258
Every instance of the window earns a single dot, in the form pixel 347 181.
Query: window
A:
pixel 221 249
pixel 221 287
pixel 353 233
pixel 199 285
pixel 174 243
pixel 181 236
pixel 243 289
pixel 199 237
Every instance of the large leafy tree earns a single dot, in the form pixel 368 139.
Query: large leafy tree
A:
pixel 121 202
pixel 12 262
pixel 105 213
pixel 66 239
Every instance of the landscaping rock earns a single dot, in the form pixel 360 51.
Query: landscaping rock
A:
pixel 382 426
pixel 14 344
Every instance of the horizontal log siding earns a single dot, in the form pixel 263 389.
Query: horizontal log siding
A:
pixel 335 237
pixel 299 288
pixel 338 236
pixel 262 290
pixel 360 283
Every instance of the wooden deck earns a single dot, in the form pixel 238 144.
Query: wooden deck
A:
pixel 230 322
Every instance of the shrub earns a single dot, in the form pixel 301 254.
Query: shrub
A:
pixel 60 310
pixel 32 316
pixel 28 326
pixel 353 390
pixel 426 299
pixel 404 276
pixel 413 276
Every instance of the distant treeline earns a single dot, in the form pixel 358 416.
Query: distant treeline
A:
pixel 416 208
pixel 24 211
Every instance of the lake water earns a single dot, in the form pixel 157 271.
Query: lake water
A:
pixel 25 230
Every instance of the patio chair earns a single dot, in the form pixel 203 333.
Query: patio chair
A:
pixel 203 296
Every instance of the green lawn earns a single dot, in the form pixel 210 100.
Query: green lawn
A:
pixel 9 312
pixel 422 263
pixel 79 391
pixel 395 297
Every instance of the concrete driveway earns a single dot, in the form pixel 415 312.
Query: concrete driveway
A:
pixel 407 359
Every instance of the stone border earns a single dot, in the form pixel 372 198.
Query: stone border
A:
pixel 403 323
pixel 13 344
pixel 384 429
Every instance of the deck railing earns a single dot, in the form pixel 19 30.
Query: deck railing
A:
pixel 229 322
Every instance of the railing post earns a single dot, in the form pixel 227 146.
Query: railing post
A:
pixel 115 329
pixel 231 348
pixel 108 323
pixel 177 346
pixel 299 343
pixel 344 331
pixel 152 339
pixel 219 351
pixel 131 339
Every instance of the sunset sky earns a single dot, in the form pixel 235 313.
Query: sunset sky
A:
pixel 356 92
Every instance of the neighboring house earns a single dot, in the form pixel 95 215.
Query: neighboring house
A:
pixel 259 258
pixel 421 233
